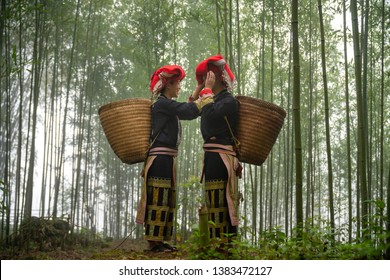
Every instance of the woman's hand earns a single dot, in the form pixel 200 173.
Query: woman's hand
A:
pixel 198 88
pixel 210 80
pixel 208 84
pixel 195 93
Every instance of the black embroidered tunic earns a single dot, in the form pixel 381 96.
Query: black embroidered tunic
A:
pixel 213 125
pixel 166 114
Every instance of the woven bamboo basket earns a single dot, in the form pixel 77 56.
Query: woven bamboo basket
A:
pixel 258 127
pixel 127 126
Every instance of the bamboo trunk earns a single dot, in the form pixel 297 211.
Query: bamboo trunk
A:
pixel 203 226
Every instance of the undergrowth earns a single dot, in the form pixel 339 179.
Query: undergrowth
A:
pixel 313 244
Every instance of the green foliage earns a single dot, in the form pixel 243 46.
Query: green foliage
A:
pixel 42 234
pixel 314 244
pixel 198 252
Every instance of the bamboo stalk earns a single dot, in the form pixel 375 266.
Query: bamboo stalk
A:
pixel 203 225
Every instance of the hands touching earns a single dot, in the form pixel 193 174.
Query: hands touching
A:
pixel 204 89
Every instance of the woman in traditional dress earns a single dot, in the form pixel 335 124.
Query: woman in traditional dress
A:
pixel 156 208
pixel 218 126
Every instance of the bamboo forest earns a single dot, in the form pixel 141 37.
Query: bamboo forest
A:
pixel 323 192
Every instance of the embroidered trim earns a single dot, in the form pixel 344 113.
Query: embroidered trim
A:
pixel 215 185
pixel 201 102
pixel 159 182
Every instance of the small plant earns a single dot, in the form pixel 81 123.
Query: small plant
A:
pixel 198 251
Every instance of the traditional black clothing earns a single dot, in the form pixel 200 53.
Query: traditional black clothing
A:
pixel 220 164
pixel 157 206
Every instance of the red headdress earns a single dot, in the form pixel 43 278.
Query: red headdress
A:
pixel 164 74
pixel 218 65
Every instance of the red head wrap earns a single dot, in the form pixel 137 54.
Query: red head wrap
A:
pixel 218 65
pixel 165 74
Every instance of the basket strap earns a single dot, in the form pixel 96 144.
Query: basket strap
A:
pixel 235 140
pixel 155 138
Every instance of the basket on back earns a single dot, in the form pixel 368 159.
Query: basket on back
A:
pixel 258 127
pixel 127 126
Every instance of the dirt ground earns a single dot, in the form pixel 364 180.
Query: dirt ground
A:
pixel 125 249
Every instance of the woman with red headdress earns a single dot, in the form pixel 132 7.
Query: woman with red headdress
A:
pixel 218 125
pixel 158 199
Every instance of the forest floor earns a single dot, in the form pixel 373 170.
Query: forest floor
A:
pixel 136 249
pixel 115 250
